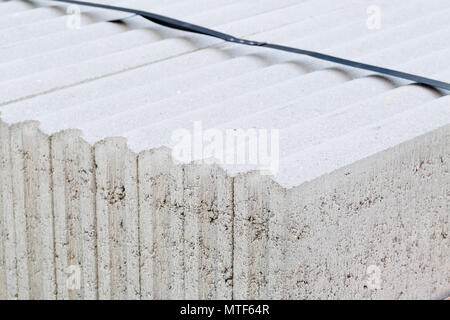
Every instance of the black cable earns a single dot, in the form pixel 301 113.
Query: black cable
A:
pixel 189 27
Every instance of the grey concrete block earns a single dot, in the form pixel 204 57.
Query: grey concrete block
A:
pixel 117 220
pixel 8 273
pixel 161 226
pixel 33 212
pixel 389 211
pixel 259 237
pixel 208 232
pixel 359 205
pixel 74 192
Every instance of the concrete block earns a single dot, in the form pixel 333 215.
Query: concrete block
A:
pixel 74 193
pixel 336 229
pixel 259 237
pixel 161 225
pixel 117 220
pixel 373 213
pixel 8 272
pixel 357 209
pixel 208 232
pixel 33 211
pixel 30 16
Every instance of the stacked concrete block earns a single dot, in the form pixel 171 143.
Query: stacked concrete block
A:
pixel 208 232
pixel 202 234
pixel 74 207
pixel 117 220
pixel 319 240
pixel 161 226
pixel 260 239
pixel 95 202
pixel 8 275
pixel 33 214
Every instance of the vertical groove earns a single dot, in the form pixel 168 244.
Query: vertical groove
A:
pixel 14 207
pixel 52 197
pixel 94 175
pixel 138 204
pixel 183 228
pixel 232 235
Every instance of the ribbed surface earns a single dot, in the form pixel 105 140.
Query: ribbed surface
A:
pixel 142 81
pixel 136 224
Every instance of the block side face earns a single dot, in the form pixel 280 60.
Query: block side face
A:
pixel 208 232
pixel 8 272
pixel 259 237
pixel 75 223
pixel 32 190
pixel 377 229
pixel 117 220
pixel 161 226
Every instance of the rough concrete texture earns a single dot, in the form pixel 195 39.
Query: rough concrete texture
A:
pixel 161 226
pixel 208 232
pixel 317 240
pixel 8 275
pixel 33 213
pixel 194 232
pixel 117 220
pixel 95 205
pixel 74 208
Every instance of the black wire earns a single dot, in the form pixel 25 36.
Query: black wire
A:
pixel 189 27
